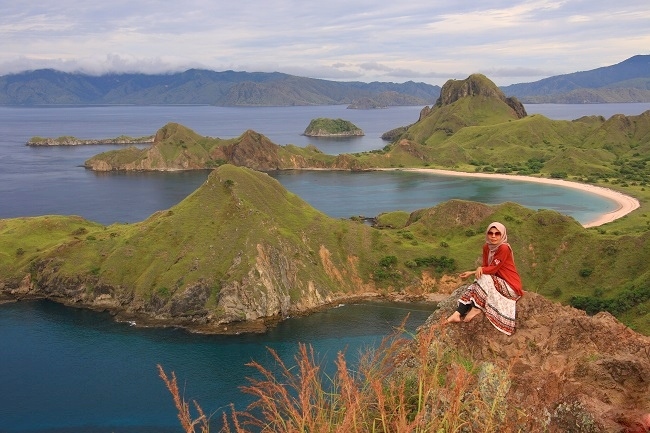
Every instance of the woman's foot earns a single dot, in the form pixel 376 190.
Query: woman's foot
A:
pixel 472 313
pixel 454 318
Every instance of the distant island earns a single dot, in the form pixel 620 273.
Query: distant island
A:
pixel 324 127
pixel 74 141
pixel 366 104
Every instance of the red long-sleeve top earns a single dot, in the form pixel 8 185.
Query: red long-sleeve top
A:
pixel 503 265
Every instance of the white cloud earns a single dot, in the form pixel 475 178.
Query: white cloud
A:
pixel 360 40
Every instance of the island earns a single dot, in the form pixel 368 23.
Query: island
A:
pixel 67 140
pixel 324 127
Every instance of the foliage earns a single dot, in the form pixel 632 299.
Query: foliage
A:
pixel 330 126
pixel 441 264
pixel 388 261
pixel 617 305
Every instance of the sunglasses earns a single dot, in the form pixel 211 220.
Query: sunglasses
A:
pixel 494 233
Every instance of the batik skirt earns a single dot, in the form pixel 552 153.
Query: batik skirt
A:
pixel 498 301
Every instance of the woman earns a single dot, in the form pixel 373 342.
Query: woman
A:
pixel 497 286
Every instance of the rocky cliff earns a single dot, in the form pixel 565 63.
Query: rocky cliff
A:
pixel 477 85
pixel 580 373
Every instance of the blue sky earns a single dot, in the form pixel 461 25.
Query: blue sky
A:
pixel 353 40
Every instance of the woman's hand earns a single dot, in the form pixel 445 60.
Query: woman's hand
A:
pixel 466 274
pixel 477 273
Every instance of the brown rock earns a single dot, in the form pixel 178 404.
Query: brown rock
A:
pixel 591 374
pixel 476 85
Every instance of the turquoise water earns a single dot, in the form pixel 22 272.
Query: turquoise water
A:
pixel 345 194
pixel 69 370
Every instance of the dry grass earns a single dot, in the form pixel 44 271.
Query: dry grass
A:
pixel 405 385
pixel 188 422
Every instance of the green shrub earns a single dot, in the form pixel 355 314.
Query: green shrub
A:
pixel 388 261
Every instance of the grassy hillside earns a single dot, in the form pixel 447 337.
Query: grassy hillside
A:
pixel 177 147
pixel 326 126
pixel 242 243
pixel 242 229
pixel 477 135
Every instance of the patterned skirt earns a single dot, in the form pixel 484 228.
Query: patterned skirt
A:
pixel 496 299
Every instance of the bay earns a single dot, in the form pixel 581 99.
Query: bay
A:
pixel 368 194
pixel 40 181
pixel 70 370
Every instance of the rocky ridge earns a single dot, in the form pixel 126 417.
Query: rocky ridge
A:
pixel 477 85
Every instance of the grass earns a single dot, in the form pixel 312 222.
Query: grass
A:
pixel 408 384
pixel 24 239
pixel 241 221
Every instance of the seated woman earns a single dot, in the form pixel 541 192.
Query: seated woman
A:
pixel 497 286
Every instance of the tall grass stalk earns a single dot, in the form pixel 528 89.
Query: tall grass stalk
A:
pixel 188 422
pixel 408 384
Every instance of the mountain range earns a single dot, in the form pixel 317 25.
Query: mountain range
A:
pixel 203 87
pixel 627 81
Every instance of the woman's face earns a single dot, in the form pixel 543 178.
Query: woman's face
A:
pixel 493 235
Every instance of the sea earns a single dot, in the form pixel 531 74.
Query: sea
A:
pixel 65 369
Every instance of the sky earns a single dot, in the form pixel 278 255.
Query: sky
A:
pixel 431 41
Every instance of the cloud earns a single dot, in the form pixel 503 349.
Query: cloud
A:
pixel 375 66
pixel 517 72
pixel 342 40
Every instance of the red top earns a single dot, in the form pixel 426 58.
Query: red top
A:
pixel 503 265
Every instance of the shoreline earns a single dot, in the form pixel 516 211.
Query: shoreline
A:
pixel 626 203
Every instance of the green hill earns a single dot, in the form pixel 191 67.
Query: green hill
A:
pixel 481 131
pixel 243 250
pixel 324 127
pixel 176 147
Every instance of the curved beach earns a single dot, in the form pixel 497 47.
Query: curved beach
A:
pixel 626 204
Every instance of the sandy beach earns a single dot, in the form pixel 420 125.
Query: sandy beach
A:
pixel 626 204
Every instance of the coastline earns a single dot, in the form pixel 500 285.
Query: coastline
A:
pixel 626 204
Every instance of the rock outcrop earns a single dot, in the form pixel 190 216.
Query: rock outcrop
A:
pixel 582 373
pixel 477 85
